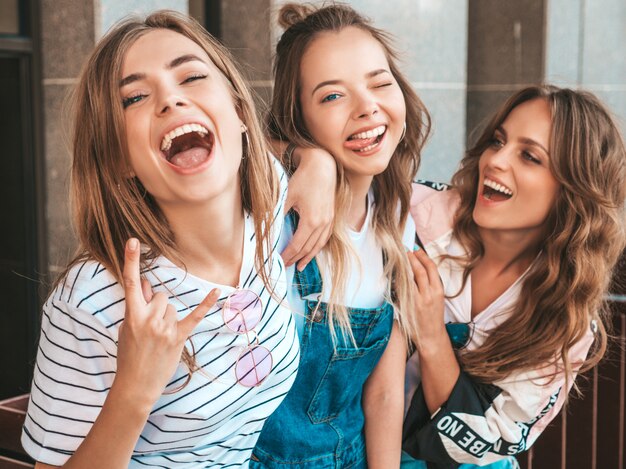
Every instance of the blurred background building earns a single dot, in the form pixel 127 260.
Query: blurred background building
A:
pixel 462 56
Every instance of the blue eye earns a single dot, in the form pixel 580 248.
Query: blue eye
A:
pixel 331 97
pixel 132 100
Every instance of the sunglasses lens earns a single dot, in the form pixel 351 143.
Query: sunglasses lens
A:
pixel 459 333
pixel 253 366
pixel 242 311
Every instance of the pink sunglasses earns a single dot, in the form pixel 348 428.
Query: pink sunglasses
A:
pixel 242 311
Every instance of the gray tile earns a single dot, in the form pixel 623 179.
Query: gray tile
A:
pixel 246 32
pixel 481 105
pixel 430 35
pixel 563 42
pixel 67 36
pixel 604 59
pixel 111 11
pixel 447 142
pixel 61 242
pixel 505 41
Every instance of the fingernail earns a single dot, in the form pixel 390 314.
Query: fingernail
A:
pixel 301 267
pixel 132 244
pixel 416 248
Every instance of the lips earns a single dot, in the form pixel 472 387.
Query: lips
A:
pixel 187 146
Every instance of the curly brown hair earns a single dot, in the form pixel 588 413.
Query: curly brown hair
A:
pixel 566 286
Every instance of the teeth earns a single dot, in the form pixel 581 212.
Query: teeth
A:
pixel 498 187
pixel 178 131
pixel 368 148
pixel 370 133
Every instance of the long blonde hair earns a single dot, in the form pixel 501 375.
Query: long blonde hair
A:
pixel 565 288
pixel 392 188
pixel 108 206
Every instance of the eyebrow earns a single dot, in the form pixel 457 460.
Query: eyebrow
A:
pixel 173 64
pixel 527 141
pixel 368 75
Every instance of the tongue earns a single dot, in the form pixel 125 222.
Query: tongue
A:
pixel 495 195
pixel 359 143
pixel 190 158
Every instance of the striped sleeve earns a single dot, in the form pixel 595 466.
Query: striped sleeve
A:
pixel 75 367
pixel 483 423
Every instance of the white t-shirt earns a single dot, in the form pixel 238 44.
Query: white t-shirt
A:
pixel 213 421
pixel 366 283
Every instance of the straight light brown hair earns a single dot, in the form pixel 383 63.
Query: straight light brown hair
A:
pixel 392 188
pixel 108 205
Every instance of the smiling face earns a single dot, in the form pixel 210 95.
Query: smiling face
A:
pixel 351 103
pixel 182 125
pixel 517 190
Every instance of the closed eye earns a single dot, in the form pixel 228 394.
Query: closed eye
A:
pixel 382 85
pixel 194 77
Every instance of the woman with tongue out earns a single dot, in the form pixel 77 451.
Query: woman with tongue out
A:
pixel 179 210
pixel 337 87
pixel 513 305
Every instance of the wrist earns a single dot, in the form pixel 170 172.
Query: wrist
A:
pixel 131 398
pixel 433 343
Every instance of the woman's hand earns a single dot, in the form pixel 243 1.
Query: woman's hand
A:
pixel 151 338
pixel 438 364
pixel 429 297
pixel 312 194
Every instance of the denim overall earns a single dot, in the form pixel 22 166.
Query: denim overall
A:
pixel 320 424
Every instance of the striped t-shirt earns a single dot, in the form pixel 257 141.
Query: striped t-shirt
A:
pixel 211 422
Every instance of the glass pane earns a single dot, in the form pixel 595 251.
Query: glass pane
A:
pixel 9 17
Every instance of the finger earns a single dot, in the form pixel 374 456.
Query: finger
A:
pixel 322 239
pixel 292 252
pixel 289 202
pixel 189 323
pixel 419 272
pixel 130 275
pixel 431 268
pixel 146 290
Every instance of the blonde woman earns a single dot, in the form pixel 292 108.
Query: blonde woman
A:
pixel 511 306
pixel 337 87
pixel 178 207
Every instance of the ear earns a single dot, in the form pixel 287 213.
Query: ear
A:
pixel 244 127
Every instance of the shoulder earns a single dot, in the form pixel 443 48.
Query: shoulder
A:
pixel 433 210
pixel 89 287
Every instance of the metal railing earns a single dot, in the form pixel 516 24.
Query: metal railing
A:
pixel 590 433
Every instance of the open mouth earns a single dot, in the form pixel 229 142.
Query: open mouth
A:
pixel 187 146
pixel 366 141
pixel 496 192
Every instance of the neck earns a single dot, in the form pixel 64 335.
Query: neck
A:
pixel 359 187
pixel 508 251
pixel 209 237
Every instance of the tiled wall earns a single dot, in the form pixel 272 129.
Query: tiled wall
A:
pixel 585 48
pixel 69 31
pixel 462 56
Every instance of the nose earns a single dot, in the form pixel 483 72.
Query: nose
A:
pixel 169 99
pixel 501 158
pixel 365 106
